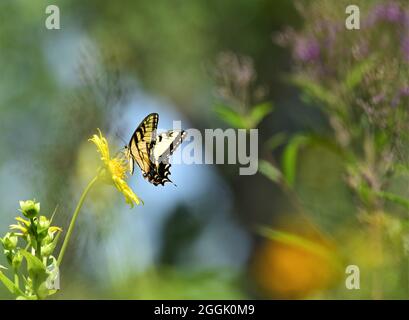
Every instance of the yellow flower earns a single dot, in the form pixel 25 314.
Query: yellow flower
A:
pixel 22 225
pixel 114 169
pixel 54 229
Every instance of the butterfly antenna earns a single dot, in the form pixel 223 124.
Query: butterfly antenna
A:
pixel 125 144
pixel 120 138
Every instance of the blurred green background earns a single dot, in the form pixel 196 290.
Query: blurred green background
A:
pixel 112 63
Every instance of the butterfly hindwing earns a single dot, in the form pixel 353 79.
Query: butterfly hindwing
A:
pixel 165 144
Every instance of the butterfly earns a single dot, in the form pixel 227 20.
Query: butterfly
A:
pixel 151 152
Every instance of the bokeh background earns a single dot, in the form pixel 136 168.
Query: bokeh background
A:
pixel 217 234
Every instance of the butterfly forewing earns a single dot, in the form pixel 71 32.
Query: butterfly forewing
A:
pixel 142 141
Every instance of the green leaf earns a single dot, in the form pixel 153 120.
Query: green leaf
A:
pixel 275 141
pixel 10 285
pixel 366 193
pixel 289 161
pixel 290 155
pixel 54 212
pixel 393 198
pixel 7 282
pixel 355 76
pixel 38 274
pixel 259 112
pixel 401 170
pixel 230 116
pixel 271 172
pixel 291 239
pixel 34 265
pixel 315 90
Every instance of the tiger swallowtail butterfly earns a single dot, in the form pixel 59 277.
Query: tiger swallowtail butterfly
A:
pixel 151 152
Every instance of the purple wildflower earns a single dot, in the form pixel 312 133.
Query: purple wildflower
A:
pixel 403 92
pixel 387 12
pixel 391 12
pixel 306 50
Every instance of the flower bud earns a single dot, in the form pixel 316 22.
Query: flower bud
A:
pixel 30 208
pixel 49 243
pixel 17 259
pixel 43 223
pixel 9 241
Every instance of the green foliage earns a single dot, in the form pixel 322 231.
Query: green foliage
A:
pixel 12 287
pixel 270 171
pixel 34 241
pixel 355 76
pixel 275 141
pixel 289 161
pixel 230 116
pixel 314 90
pixel 394 198
pixel 359 81
pixel 181 283
pixel 249 120
pixel 237 88
pixel 258 113
pixel 38 275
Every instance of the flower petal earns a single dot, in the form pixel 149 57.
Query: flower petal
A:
pixel 114 170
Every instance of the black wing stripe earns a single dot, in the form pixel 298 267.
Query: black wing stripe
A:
pixel 173 146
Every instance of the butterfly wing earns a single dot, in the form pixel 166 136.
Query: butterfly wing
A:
pixel 164 146
pixel 141 143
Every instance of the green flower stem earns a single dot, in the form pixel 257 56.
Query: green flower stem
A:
pixel 16 280
pixel 38 247
pixel 74 218
pixel 38 250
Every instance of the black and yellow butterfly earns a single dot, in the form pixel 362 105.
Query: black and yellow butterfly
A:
pixel 152 152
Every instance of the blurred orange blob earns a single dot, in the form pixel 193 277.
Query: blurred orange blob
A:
pixel 291 270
